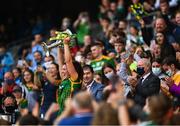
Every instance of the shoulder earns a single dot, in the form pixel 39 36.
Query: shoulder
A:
pixel 66 121
pixel 106 57
pixel 153 77
pixel 97 85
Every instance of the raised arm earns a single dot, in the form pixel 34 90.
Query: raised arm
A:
pixel 68 59
pixel 76 23
pixel 60 60
pixel 37 80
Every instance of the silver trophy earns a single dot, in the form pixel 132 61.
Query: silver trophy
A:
pixel 58 40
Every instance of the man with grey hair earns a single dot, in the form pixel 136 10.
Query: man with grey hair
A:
pixel 148 84
pixel 81 108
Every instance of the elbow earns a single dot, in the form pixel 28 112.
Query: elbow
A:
pixel 67 61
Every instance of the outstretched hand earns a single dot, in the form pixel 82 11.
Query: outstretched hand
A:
pixel 67 40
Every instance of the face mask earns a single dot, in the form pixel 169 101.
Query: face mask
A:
pixel 156 71
pixel 9 109
pixel 9 81
pixel 47 64
pixel 169 73
pixel 140 70
pixel 118 72
pixel 109 75
pixel 78 58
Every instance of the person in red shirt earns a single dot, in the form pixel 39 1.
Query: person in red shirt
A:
pixel 9 83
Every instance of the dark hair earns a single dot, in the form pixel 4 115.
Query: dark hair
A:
pixel 158 60
pixel 50 56
pixel 11 96
pixel 170 60
pixel 57 67
pixel 164 1
pixel 108 65
pixel 32 76
pixel 165 38
pixel 133 26
pixel 96 44
pixel 78 69
pixel 37 51
pixel 120 40
pixel 106 18
pixel 88 67
pixel 18 69
pixel 105 80
pixel 118 33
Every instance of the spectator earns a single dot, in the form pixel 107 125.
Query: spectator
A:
pixel 6 61
pixel 148 83
pixel 133 37
pixel 160 26
pixel 66 24
pixel 82 26
pixel 48 84
pixel 96 89
pixel 10 108
pixel 157 68
pixel 160 106
pixel 17 75
pixel 99 59
pixel 119 46
pixel 28 119
pixel 9 84
pixel 171 67
pixel 38 60
pixel 108 72
pixel 47 61
pixel 177 26
pixel 30 89
pixel 9 104
pixel 105 115
pixel 82 106
pixel 164 45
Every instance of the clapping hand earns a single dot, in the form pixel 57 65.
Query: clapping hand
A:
pixel 169 81
pixel 132 81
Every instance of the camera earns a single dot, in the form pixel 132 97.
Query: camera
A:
pixel 11 118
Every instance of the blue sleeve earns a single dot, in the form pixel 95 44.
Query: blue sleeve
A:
pixel 8 60
pixel 99 94
pixel 123 72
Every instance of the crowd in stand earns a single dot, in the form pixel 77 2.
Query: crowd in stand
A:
pixel 126 71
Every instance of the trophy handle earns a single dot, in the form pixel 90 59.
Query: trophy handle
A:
pixel 46 49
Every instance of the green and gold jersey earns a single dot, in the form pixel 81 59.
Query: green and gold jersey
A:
pixel 67 88
pixel 97 64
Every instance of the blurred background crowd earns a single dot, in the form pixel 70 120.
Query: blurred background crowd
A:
pixel 123 67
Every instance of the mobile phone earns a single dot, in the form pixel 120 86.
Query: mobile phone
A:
pixel 126 55
pixel 20 63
